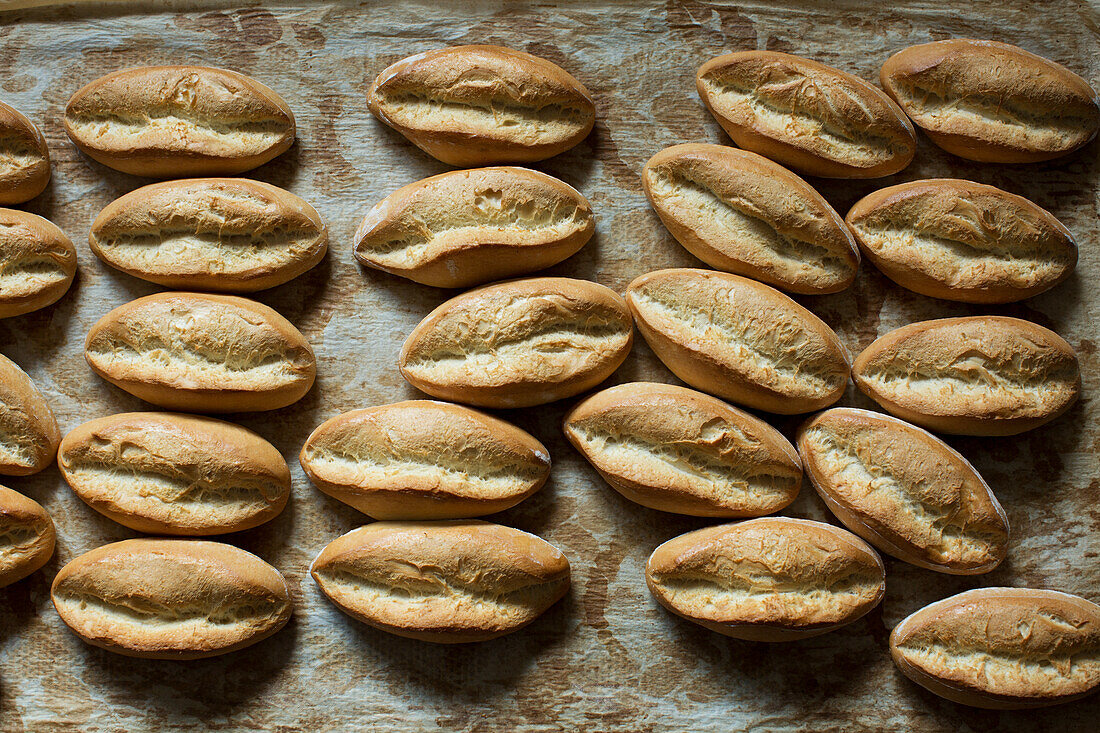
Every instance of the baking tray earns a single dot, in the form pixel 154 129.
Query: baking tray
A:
pixel 606 658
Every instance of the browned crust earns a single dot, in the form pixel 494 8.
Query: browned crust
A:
pixel 18 512
pixel 33 238
pixel 26 420
pixel 22 185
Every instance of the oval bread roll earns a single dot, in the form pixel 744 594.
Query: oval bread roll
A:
pixel 992 102
pixel 678 450
pixel 173 474
pixel 28 431
pixel 810 117
pixel 171 599
pixel 982 375
pixel 223 234
pixel 739 212
pixel 479 105
pixel 1002 648
pixel 424 460
pixel 960 240
pixel 37 263
pixel 905 491
pixel 446 582
pixel 27 536
pixel 769 579
pixel 24 158
pixel 519 343
pixel 739 339
pixel 465 228
pixel 202 353
pixel 178 121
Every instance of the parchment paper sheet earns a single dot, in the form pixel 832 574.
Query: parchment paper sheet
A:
pixel 607 657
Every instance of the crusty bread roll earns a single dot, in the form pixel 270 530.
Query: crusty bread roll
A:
pixel 446 582
pixel 179 121
pixel 768 579
pixel 1002 648
pixel 424 460
pixel 810 117
pixel 961 240
pixel 24 158
pixel 982 375
pixel 202 353
pixel 165 473
pixel 739 339
pixel 904 490
pixel 468 227
pixel 221 234
pixel 28 431
pixel 992 102
pixel 37 263
pixel 27 536
pixel 519 343
pixel 678 450
pixel 171 599
pixel 480 105
pixel 740 212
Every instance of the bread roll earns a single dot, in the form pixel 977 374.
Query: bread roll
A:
pixel 982 375
pixel 519 343
pixel 424 460
pixel 468 227
pixel 27 536
pixel 222 234
pixel 739 339
pixel 202 353
pixel 810 117
pixel 1003 648
pixel 480 105
pixel 28 431
pixel 171 599
pixel 179 121
pixel 164 473
pixel 960 240
pixel 769 579
pixel 678 450
pixel 24 158
pixel 905 491
pixel 739 212
pixel 445 582
pixel 37 263
pixel 992 102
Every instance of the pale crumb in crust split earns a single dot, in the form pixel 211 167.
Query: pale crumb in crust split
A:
pixel 1003 647
pixel 904 491
pixel 175 130
pixel 20 156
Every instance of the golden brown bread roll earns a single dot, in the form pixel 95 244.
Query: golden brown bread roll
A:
pixel 519 343
pixel 424 460
pixel 165 473
pixel 480 105
pixel 445 582
pixel 961 240
pixel 905 491
pixel 739 339
pixel 810 117
pixel 1002 648
pixel 768 579
pixel 202 353
pixel 179 121
pixel 171 599
pixel 24 158
pixel 27 536
pixel 992 102
pixel 740 212
pixel 28 431
pixel 221 234
pixel 678 450
pixel 37 263
pixel 468 227
pixel 982 375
